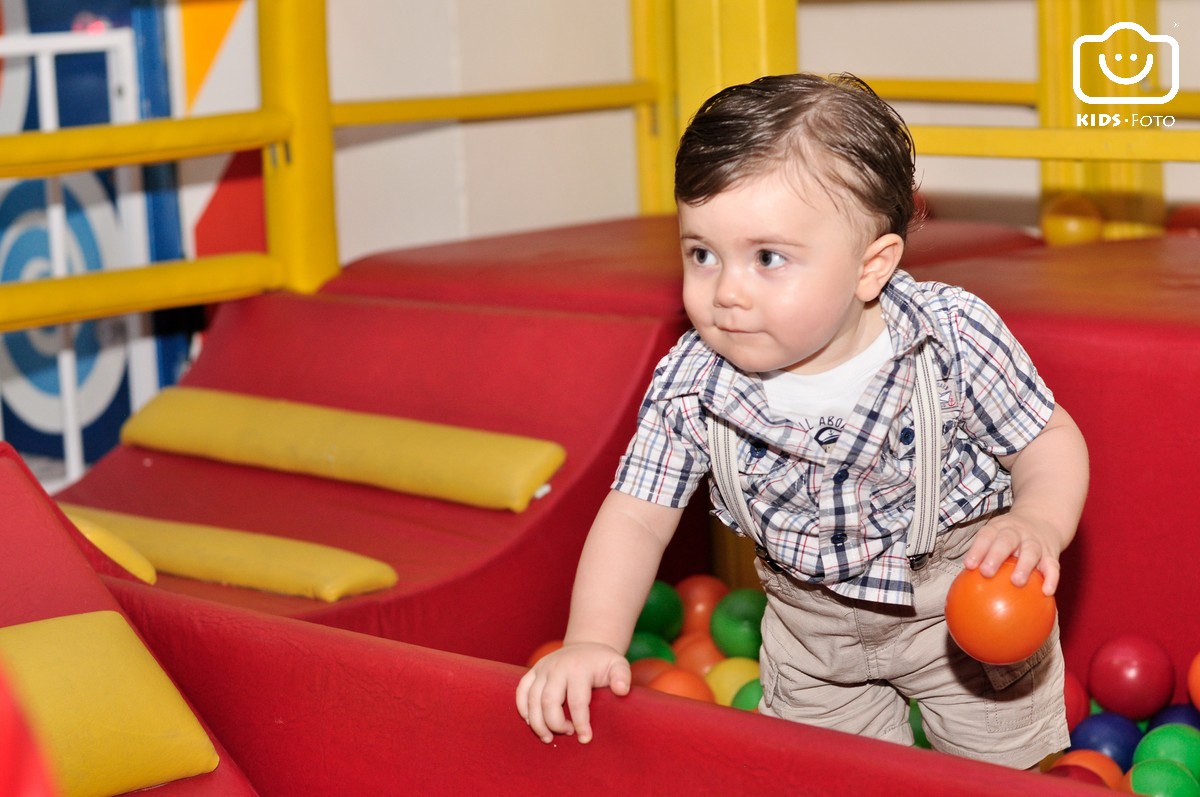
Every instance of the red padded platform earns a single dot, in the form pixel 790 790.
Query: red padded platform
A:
pixel 356 715
pixel 485 582
pixel 627 266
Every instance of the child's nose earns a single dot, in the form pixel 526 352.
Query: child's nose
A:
pixel 730 290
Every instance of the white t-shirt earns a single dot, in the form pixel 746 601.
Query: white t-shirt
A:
pixel 820 403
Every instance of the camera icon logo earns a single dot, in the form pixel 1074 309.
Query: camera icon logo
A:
pixel 1127 71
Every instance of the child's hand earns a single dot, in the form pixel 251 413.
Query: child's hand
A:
pixel 1035 544
pixel 569 675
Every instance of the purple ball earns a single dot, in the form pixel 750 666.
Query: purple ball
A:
pixel 1115 736
pixel 1180 713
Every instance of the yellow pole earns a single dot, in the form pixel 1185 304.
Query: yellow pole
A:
pixel 657 123
pixel 720 43
pixel 298 174
pixel 1130 196
pixel 723 42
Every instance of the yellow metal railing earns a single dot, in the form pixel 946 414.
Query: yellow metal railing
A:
pixel 294 130
pixel 726 42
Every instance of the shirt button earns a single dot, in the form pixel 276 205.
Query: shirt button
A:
pixel 907 435
pixel 841 476
pixel 838 539
pixel 758 451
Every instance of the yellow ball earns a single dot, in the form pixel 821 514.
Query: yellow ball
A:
pixel 729 675
pixel 1071 219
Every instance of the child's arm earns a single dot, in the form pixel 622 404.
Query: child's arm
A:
pixel 617 567
pixel 1049 480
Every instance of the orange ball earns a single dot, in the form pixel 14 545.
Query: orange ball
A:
pixel 1095 761
pixel 993 620
pixel 696 652
pixel 1193 681
pixel 645 670
pixel 700 594
pixel 542 650
pixel 678 681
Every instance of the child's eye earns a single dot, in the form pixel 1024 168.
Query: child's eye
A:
pixel 701 256
pixel 769 259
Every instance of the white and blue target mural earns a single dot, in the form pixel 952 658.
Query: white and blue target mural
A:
pixel 31 416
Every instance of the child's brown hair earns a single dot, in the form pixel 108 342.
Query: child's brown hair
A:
pixel 745 130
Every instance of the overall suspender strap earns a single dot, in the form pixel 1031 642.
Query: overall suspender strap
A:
pixel 922 533
pixel 927 459
pixel 722 448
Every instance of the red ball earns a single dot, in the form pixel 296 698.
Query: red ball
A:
pixel 700 595
pixel 995 621
pixel 1185 219
pixel 1078 702
pixel 1131 675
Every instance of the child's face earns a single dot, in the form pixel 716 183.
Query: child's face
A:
pixel 777 277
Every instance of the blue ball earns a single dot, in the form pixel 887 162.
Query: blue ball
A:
pixel 1180 713
pixel 1108 733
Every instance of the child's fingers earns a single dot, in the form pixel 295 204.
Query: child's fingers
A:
pixel 579 695
pixel 522 695
pixel 554 718
pixel 1050 570
pixel 534 715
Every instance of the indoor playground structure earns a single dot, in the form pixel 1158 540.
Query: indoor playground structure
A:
pixel 319 572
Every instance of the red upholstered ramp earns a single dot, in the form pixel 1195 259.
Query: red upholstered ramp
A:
pixel 627 266
pixel 485 582
pixel 47 572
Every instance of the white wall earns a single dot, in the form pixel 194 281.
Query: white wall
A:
pixel 418 184
pixel 408 185
pixel 981 39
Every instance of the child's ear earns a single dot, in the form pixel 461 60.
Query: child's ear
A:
pixel 880 259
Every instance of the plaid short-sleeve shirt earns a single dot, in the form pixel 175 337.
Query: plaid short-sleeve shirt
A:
pixel 840 517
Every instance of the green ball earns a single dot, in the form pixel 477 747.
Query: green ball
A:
pixel 1159 778
pixel 645 645
pixel 1172 742
pixel 918 729
pixel 748 696
pixel 736 624
pixel 662 613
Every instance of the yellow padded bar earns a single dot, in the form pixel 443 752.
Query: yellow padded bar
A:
pixel 103 293
pixel 243 558
pixel 468 466
pixel 100 146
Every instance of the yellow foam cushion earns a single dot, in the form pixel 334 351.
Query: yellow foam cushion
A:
pixel 108 718
pixel 244 558
pixel 468 466
pixel 115 548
